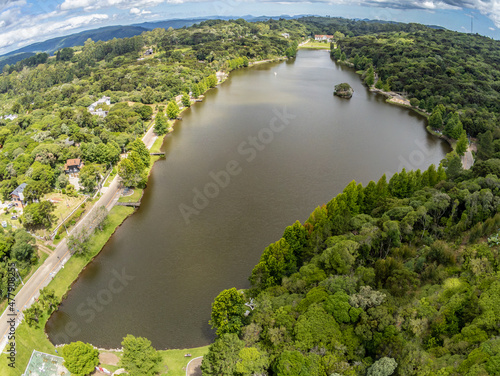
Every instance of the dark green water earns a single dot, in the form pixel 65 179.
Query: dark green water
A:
pixel 285 145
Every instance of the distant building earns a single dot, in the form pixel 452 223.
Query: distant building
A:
pixel 94 108
pixel 18 196
pixel 149 51
pixel 327 38
pixel 73 166
pixel 286 35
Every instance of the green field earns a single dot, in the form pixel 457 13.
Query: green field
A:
pixel 314 45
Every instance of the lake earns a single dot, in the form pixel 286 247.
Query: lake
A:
pixel 263 150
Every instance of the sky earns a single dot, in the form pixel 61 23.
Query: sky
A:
pixel 23 22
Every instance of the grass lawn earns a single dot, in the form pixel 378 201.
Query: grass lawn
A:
pixel 11 223
pixel 157 145
pixel 64 205
pixel 29 339
pixel 176 361
pixel 315 45
pixel 135 197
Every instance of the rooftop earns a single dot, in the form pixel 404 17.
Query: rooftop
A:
pixel 19 189
pixel 42 364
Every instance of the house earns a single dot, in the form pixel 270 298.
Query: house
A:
pixel 18 196
pixel 73 166
pixel 327 38
pixel 94 108
pixel 286 35
pixel 148 52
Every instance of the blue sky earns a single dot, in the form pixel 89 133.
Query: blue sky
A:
pixel 23 22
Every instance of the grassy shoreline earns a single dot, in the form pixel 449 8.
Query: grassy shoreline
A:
pixel 29 339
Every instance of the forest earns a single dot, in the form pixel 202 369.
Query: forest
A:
pixel 399 277
pixel 45 120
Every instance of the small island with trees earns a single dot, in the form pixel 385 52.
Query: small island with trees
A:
pixel 343 90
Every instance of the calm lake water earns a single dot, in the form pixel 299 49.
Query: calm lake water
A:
pixel 262 151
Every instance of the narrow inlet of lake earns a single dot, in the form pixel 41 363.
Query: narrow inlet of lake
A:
pixel 260 152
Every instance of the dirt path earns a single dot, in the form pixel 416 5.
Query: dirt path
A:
pixel 468 159
pixel 194 367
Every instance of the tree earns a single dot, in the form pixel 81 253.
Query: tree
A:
pixel 160 124
pixel 227 312
pixel 462 144
pixel 80 358
pixel 436 120
pixel 32 315
pixel 340 258
pixel 292 363
pixel 186 101
pixel 127 172
pixel 195 91
pixel 276 262
pixel 35 190
pixel 370 77
pixel 454 167
pixel 139 357
pixel 212 80
pixel 139 147
pixel 486 148
pixel 89 176
pixel 99 216
pixel 296 236
pixel 172 110
pixel 65 54
pixel 23 247
pixel 38 214
pixel 144 111
pixel 223 356
pixel 148 95
pixel 252 362
pixel 48 300
pixel 78 241
pixel 382 367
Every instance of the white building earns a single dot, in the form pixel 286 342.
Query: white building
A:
pixel 96 110
pixel 328 38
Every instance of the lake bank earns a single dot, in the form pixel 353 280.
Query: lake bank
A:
pixel 173 258
pixel 64 280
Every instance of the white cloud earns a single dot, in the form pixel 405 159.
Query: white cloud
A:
pixel 4 4
pixel 97 4
pixel 492 28
pixel 18 36
pixel 138 12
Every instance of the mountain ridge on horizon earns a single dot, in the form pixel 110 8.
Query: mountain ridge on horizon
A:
pixel 106 33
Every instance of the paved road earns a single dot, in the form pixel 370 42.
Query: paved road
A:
pixel 41 278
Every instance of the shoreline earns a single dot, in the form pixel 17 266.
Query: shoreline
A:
pixel 398 100
pixel 124 217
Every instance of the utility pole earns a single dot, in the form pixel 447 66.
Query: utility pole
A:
pixel 67 233
pixel 19 276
